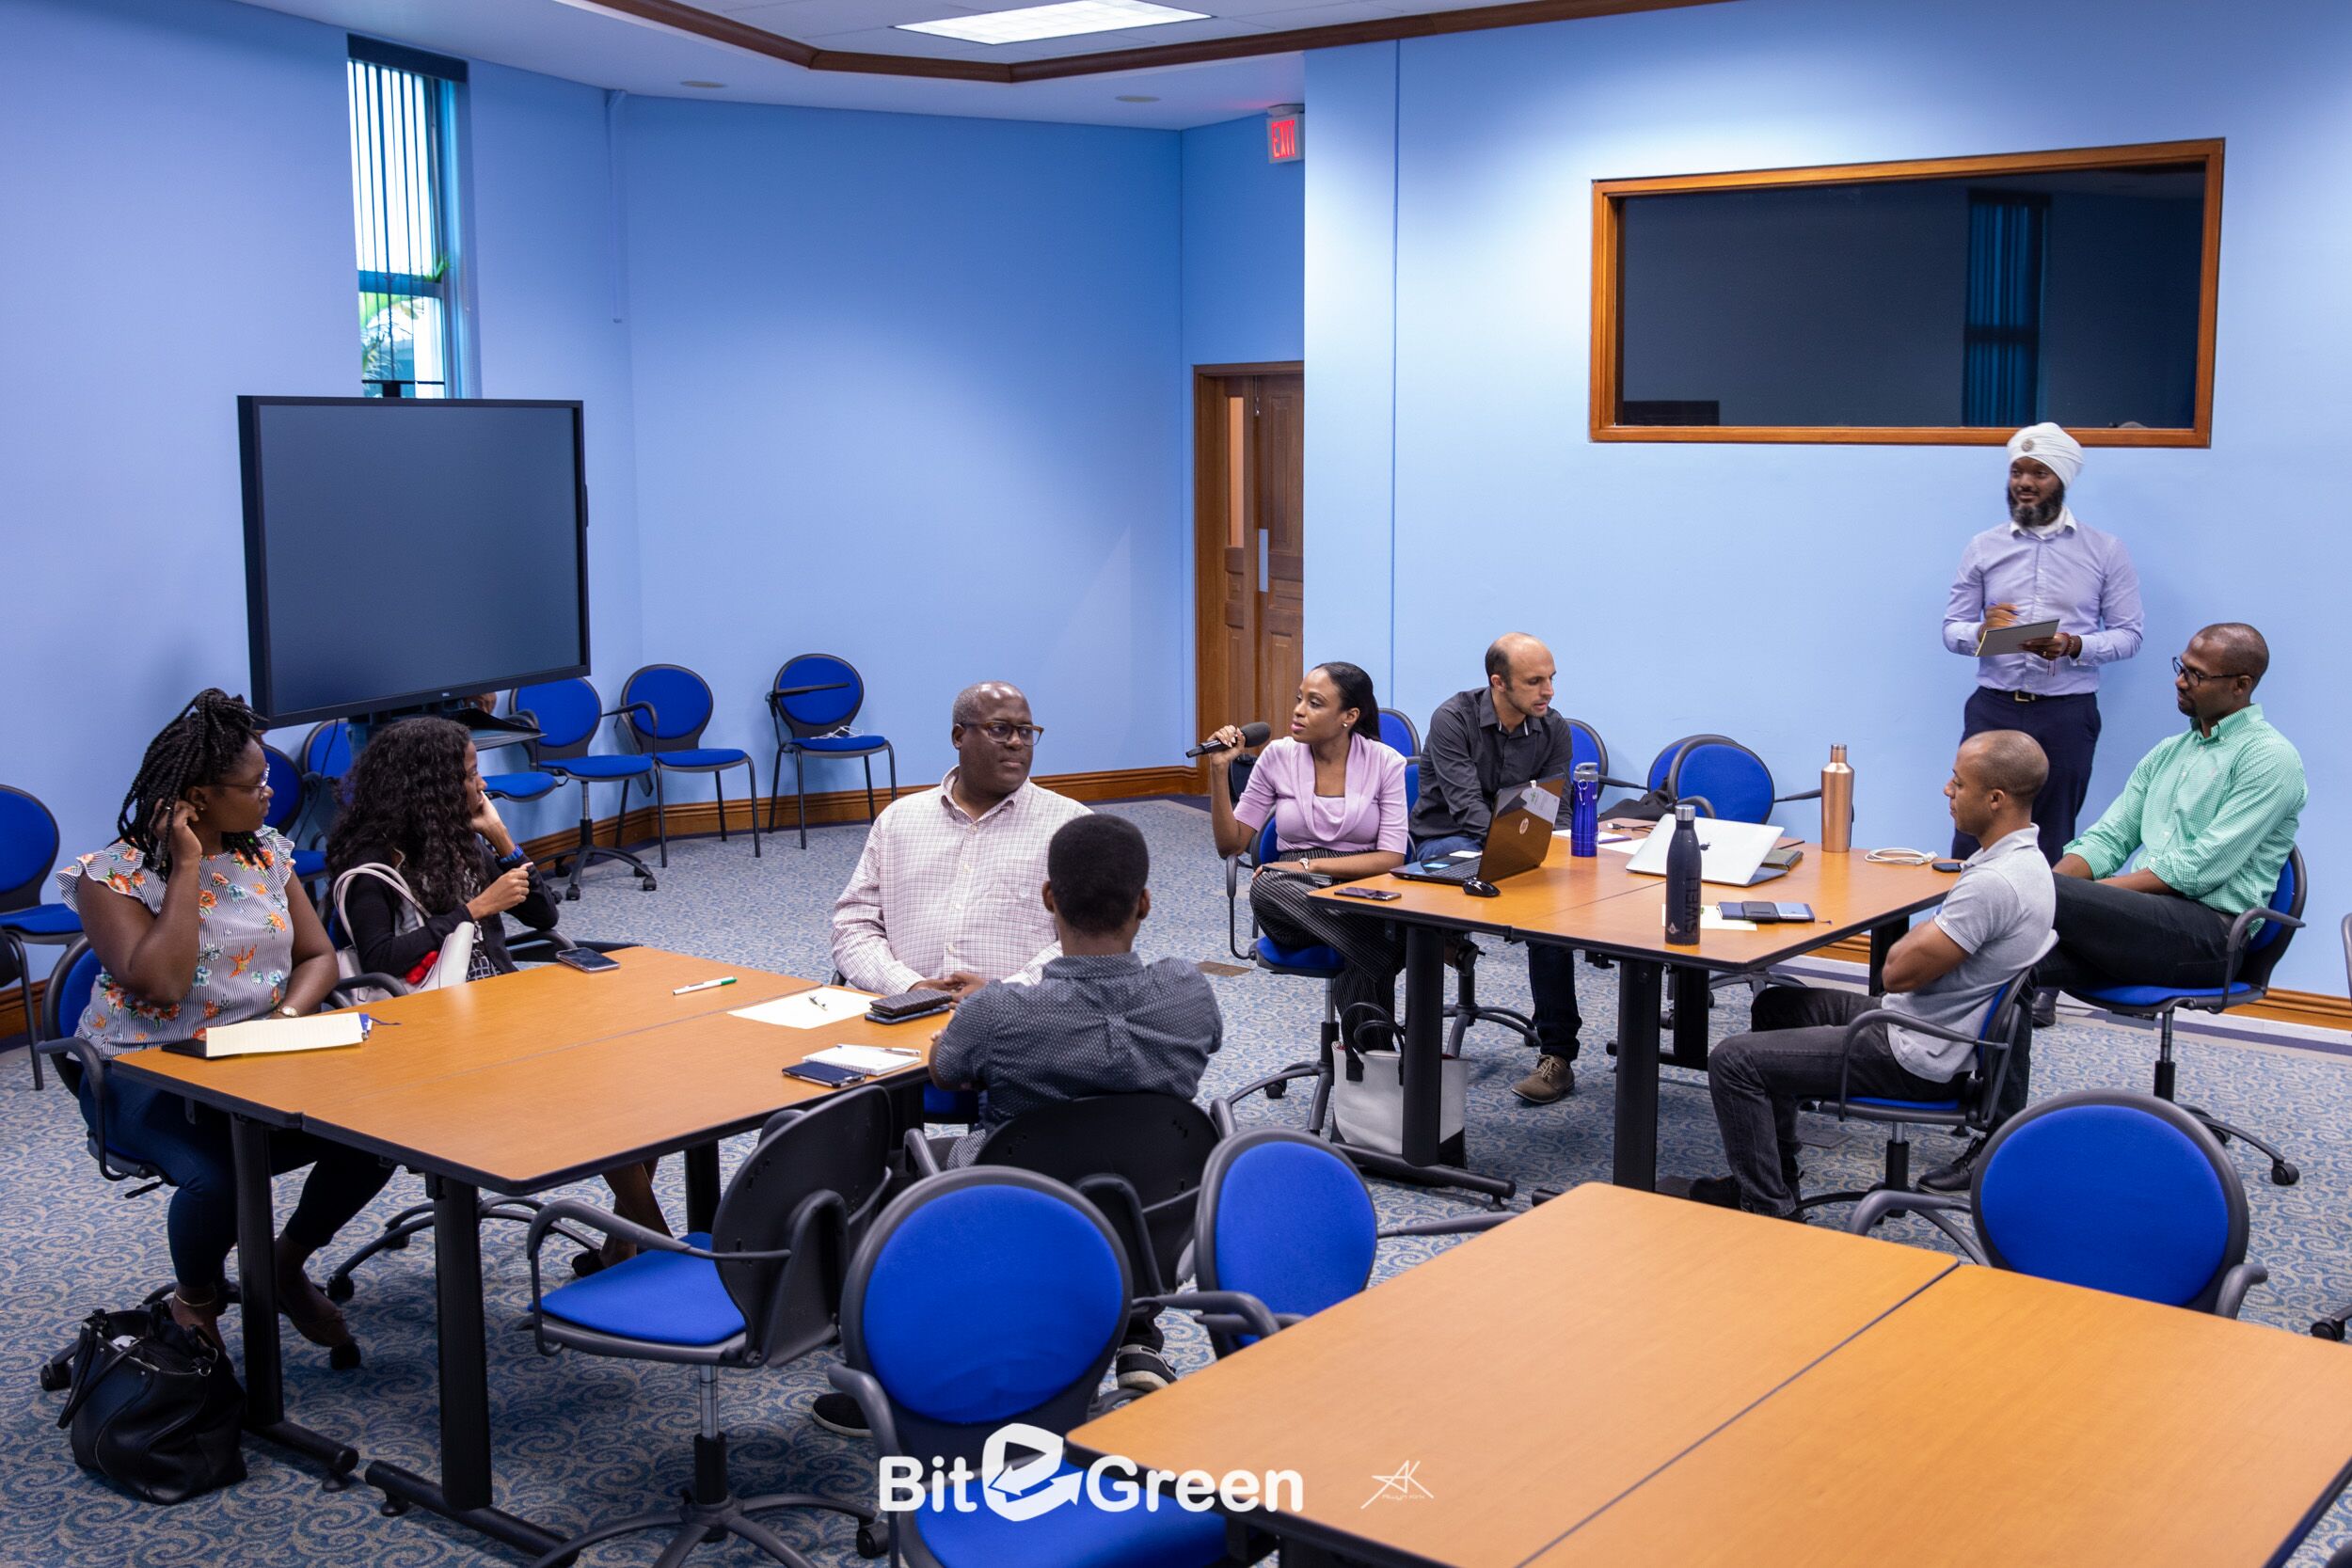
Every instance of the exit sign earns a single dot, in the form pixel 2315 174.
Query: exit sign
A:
pixel 1285 136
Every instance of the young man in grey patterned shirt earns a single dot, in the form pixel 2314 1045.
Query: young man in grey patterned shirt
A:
pixel 1100 1020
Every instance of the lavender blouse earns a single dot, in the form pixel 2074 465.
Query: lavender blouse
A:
pixel 1370 815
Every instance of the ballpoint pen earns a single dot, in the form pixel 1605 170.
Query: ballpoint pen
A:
pixel 705 984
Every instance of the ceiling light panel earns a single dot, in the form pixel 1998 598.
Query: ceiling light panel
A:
pixel 1065 20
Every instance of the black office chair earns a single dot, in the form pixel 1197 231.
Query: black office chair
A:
pixel 760 1290
pixel 1137 1157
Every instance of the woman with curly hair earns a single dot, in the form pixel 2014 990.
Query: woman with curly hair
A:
pixel 196 919
pixel 415 808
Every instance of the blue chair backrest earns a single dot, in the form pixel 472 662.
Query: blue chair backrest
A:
pixel 1732 778
pixel 1265 849
pixel 2113 1191
pixel 2288 899
pixel 29 848
pixel 285 788
pixel 1585 745
pixel 1412 785
pixel 1284 1218
pixel 69 988
pixel 986 1295
pixel 815 712
pixel 1398 732
pixel 566 711
pixel 681 701
pixel 327 750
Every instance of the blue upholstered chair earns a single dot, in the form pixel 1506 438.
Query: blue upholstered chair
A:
pixel 288 798
pixel 28 853
pixel 1286 1224
pixel 2109 1189
pixel 1970 1106
pixel 814 703
pixel 568 714
pixel 1723 778
pixel 1398 732
pixel 759 1289
pixel 984 1297
pixel 667 706
pixel 326 757
pixel 2258 940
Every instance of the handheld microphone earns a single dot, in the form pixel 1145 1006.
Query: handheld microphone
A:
pixel 1252 737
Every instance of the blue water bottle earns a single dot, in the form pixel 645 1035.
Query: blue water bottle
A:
pixel 1585 812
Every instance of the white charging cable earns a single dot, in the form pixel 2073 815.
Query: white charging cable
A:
pixel 1899 857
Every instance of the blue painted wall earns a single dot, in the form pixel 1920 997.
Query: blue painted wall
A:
pixel 1245 230
pixel 903 395
pixel 1654 569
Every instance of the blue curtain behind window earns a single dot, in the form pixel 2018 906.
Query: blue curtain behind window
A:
pixel 2005 237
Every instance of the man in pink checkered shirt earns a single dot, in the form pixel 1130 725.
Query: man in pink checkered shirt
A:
pixel 948 895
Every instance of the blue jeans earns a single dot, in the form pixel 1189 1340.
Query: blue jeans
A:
pixel 1550 971
pixel 151 1126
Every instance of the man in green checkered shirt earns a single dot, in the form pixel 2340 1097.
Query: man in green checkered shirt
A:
pixel 2211 813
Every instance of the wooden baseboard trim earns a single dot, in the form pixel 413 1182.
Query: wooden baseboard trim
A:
pixel 2313 1010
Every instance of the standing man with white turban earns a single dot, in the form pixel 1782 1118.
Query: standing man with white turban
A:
pixel 2044 564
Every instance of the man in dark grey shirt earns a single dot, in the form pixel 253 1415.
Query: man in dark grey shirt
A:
pixel 1993 925
pixel 1101 1020
pixel 1480 743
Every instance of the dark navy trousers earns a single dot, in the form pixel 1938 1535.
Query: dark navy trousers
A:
pixel 2068 729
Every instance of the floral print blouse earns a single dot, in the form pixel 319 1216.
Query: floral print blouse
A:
pixel 245 943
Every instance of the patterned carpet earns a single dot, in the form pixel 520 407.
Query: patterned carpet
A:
pixel 578 1439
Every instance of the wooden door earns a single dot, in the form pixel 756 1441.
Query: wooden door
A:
pixel 1249 555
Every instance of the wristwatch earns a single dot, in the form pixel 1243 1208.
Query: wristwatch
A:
pixel 286 1010
pixel 512 858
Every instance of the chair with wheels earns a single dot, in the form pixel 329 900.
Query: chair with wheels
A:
pixel 28 853
pixel 666 707
pixel 2257 939
pixel 759 1289
pixel 568 713
pixel 1286 1224
pixel 1969 1108
pixel 2109 1189
pixel 814 703
pixel 1399 734
pixel 981 1298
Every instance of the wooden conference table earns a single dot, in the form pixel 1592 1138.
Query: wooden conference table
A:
pixel 1707 1386
pixel 1597 905
pixel 513 1085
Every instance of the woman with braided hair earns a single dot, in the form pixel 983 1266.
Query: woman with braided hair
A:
pixel 415 808
pixel 196 919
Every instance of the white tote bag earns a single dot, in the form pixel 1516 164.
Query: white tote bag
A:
pixel 1370 1112
pixel 449 970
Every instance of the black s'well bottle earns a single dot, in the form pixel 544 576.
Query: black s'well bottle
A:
pixel 1682 880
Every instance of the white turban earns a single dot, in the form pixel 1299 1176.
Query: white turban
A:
pixel 2051 447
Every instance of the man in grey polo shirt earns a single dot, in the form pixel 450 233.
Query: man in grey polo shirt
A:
pixel 1995 922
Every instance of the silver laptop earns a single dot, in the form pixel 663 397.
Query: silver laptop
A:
pixel 1731 853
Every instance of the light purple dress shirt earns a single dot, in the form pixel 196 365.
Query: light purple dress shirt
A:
pixel 2079 576
pixel 1370 815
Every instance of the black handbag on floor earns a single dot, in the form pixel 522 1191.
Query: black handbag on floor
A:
pixel 155 1408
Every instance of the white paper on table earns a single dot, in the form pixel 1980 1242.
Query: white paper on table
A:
pixel 266 1037
pixel 866 1058
pixel 809 1009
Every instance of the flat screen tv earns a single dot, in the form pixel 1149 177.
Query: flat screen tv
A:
pixel 403 552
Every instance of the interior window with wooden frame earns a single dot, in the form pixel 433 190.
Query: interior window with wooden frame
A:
pixel 1947 301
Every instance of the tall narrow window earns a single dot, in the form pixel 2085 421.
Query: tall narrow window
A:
pixel 403 128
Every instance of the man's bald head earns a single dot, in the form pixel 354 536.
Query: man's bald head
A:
pixel 1518 677
pixel 976 700
pixel 2010 760
pixel 2235 649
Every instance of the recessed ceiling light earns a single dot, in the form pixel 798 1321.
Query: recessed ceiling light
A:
pixel 710 86
pixel 1139 97
pixel 1053 22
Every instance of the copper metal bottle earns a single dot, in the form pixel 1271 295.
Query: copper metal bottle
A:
pixel 1836 804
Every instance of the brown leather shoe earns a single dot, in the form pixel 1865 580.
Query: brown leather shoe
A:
pixel 315 1318
pixel 1553 1079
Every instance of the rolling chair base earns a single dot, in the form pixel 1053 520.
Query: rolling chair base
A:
pixel 588 852
pixel 411 1222
pixel 2284 1171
